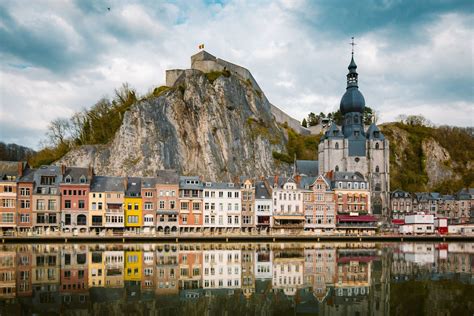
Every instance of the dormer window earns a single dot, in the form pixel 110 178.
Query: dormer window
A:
pixel 82 179
pixel 208 184
pixel 356 133
pixel 68 179
pixel 376 134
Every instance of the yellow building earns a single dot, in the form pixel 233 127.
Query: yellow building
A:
pixel 133 205
pixel 96 268
pixel 133 266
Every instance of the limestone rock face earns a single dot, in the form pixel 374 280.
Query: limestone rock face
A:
pixel 218 129
pixel 437 163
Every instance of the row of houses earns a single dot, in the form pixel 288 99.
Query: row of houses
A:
pixel 457 208
pixel 73 199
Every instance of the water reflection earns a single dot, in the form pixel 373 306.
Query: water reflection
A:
pixel 276 278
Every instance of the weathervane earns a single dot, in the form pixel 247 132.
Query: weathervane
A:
pixel 352 43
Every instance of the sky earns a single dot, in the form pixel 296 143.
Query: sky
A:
pixel 59 57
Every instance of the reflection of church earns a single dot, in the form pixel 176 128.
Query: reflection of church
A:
pixel 353 148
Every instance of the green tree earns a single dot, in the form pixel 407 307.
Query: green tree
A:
pixel 312 119
pixel 304 123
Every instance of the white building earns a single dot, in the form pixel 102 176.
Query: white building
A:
pixel 288 211
pixel 263 264
pixel 263 205
pixel 222 269
pixel 288 274
pixel 222 205
pixel 418 224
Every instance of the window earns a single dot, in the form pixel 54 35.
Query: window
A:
pixel 337 168
pixel 184 218
pixel 149 206
pixel 8 203
pixel 135 206
pixel 25 191
pixel 172 204
pixel 148 194
pixel 184 205
pixel 336 146
pixel 7 217
pixel 133 219
pixel 51 205
pixel 377 169
pixel 25 218
pixel 81 220
pixel 81 204
pixel 68 179
pixel 40 205
pixel 99 206
pixel 67 219
pixel 196 206
pixel 67 204
pixel 377 146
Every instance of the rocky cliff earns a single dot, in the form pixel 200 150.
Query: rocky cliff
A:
pixel 216 126
pixel 426 158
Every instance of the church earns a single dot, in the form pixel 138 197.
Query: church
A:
pixel 354 148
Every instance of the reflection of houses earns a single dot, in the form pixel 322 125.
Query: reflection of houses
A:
pixel 288 270
pixel 320 270
pixel 419 253
pixel 263 264
pixel 24 276
pixel 114 265
pixel 167 271
pixel 96 269
pixel 148 267
pixel 73 288
pixel 7 273
pixel 222 269
pixel 46 278
pixel 248 272
pixel 190 267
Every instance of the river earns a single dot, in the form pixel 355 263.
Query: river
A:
pixel 343 278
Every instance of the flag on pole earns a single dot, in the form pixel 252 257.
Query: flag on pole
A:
pixel 201 46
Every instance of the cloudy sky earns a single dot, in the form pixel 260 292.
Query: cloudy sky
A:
pixel 414 57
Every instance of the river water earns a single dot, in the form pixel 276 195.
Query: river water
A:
pixel 237 279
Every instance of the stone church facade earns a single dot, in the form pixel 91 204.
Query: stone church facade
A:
pixel 354 148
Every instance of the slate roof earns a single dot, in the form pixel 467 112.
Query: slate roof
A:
pixel 347 176
pixel 306 182
pixel 371 132
pixel 400 193
pixel 333 132
pixel 134 187
pixel 221 186
pixel 307 167
pixel 75 173
pixel 168 176
pixel 107 184
pixel 183 183
pixel 261 191
pixel 28 175
pixel 465 194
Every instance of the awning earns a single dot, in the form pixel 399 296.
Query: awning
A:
pixel 289 217
pixel 362 218
pixel 398 221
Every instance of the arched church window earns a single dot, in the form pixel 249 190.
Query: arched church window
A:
pixel 377 146
pixel 337 168
pixel 377 169
pixel 336 145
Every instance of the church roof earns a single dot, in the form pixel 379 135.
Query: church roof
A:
pixel 373 132
pixel 333 131
pixel 307 167
pixel 352 101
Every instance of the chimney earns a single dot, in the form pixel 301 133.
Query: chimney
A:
pixel 90 173
pixel 20 169
pixel 63 169
pixel 275 180
pixel 125 183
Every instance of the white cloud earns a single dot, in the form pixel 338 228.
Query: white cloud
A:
pixel 300 68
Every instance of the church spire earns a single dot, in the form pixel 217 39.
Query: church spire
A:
pixel 352 80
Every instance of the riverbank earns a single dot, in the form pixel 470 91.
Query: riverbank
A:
pixel 239 238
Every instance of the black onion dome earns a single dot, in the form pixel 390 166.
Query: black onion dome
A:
pixel 352 101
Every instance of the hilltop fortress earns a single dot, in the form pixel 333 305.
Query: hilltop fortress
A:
pixel 205 62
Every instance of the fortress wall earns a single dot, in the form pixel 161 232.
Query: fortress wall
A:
pixel 281 117
pixel 206 63
pixel 173 75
